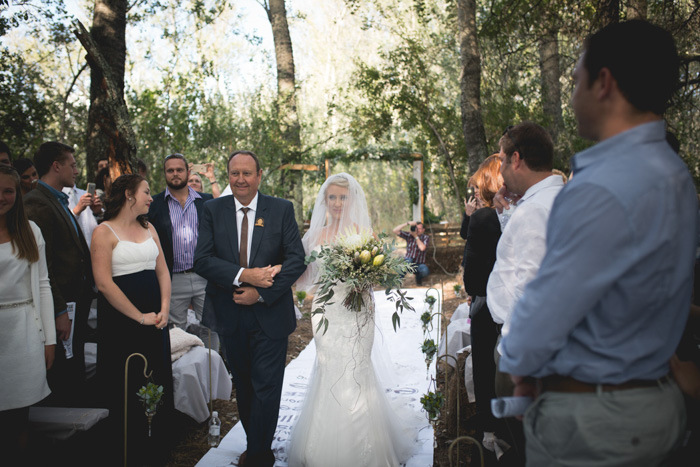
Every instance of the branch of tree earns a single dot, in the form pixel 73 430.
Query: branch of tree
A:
pixel 689 58
pixel 115 100
pixel 65 99
pixel 448 157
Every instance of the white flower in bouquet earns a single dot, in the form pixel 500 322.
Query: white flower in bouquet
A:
pixel 360 261
pixel 354 241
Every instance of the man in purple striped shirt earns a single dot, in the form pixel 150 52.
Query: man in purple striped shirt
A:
pixel 175 215
pixel 416 247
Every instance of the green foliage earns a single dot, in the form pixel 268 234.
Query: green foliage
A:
pixel 25 113
pixel 414 191
pixel 429 349
pixel 151 396
pixel 432 404
pixel 429 217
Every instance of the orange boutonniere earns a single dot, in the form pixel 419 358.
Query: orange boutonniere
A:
pixel 259 222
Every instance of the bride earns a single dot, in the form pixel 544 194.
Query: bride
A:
pixel 346 419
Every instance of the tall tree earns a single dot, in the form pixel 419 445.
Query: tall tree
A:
pixel 548 45
pixel 104 135
pixel 286 101
pixel 470 83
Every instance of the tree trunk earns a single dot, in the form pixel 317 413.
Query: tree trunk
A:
pixel 551 87
pixel 286 102
pixel 105 135
pixel 637 9
pixel 470 84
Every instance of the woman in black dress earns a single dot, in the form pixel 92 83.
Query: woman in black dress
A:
pixel 133 305
pixel 483 233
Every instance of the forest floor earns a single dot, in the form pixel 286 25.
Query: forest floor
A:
pixel 193 444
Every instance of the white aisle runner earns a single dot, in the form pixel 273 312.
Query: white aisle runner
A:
pixel 411 380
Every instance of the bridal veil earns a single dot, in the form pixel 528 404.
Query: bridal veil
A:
pixel 353 216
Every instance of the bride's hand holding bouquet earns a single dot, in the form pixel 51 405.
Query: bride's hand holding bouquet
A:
pixel 360 261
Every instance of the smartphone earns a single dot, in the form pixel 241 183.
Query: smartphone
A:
pixel 199 168
pixel 470 192
pixel 91 188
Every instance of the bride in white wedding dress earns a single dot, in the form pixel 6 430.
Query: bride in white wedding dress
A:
pixel 346 419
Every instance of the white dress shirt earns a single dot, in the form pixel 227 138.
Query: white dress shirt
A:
pixel 86 219
pixel 252 209
pixel 521 249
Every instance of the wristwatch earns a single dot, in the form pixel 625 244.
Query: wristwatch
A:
pixel 260 299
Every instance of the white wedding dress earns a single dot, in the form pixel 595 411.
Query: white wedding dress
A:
pixel 346 419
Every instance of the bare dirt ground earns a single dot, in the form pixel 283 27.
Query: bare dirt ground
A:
pixel 193 445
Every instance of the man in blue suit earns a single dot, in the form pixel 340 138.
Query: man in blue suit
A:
pixel 175 213
pixel 243 239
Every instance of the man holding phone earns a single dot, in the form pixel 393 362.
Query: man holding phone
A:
pixel 78 202
pixel 416 246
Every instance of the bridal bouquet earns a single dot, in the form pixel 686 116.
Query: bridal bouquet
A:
pixel 361 262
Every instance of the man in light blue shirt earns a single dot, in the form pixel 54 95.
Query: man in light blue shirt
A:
pixel 592 336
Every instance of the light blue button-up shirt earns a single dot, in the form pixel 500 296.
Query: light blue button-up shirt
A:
pixel 612 295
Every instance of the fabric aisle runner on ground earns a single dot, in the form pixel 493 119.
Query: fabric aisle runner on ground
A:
pixel 410 377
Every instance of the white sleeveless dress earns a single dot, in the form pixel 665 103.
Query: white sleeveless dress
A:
pixel 346 419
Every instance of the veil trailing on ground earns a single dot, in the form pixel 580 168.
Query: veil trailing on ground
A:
pixel 340 205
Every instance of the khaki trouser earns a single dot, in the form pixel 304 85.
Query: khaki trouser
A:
pixel 633 427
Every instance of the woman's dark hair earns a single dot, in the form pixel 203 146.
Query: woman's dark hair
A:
pixel 22 164
pixel 21 235
pixel 127 183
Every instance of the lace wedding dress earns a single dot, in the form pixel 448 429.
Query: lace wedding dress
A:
pixel 346 419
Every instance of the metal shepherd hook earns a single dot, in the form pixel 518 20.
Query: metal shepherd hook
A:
pixel 126 392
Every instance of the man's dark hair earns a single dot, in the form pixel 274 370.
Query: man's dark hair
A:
pixel 100 178
pixel 175 155
pixel 48 153
pixel 641 57
pixel 6 149
pixel 142 167
pixel 533 143
pixel 247 153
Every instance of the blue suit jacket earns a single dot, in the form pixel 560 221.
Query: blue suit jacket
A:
pixel 275 240
pixel 159 216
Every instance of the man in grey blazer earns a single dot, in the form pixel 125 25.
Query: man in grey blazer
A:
pixel 242 238
pixel 68 260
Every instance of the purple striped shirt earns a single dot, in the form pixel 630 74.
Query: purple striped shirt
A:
pixel 185 229
pixel 412 250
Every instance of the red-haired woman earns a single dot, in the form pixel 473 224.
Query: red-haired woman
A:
pixel 27 328
pixel 480 255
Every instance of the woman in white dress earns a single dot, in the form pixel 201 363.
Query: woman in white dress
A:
pixel 346 419
pixel 27 328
